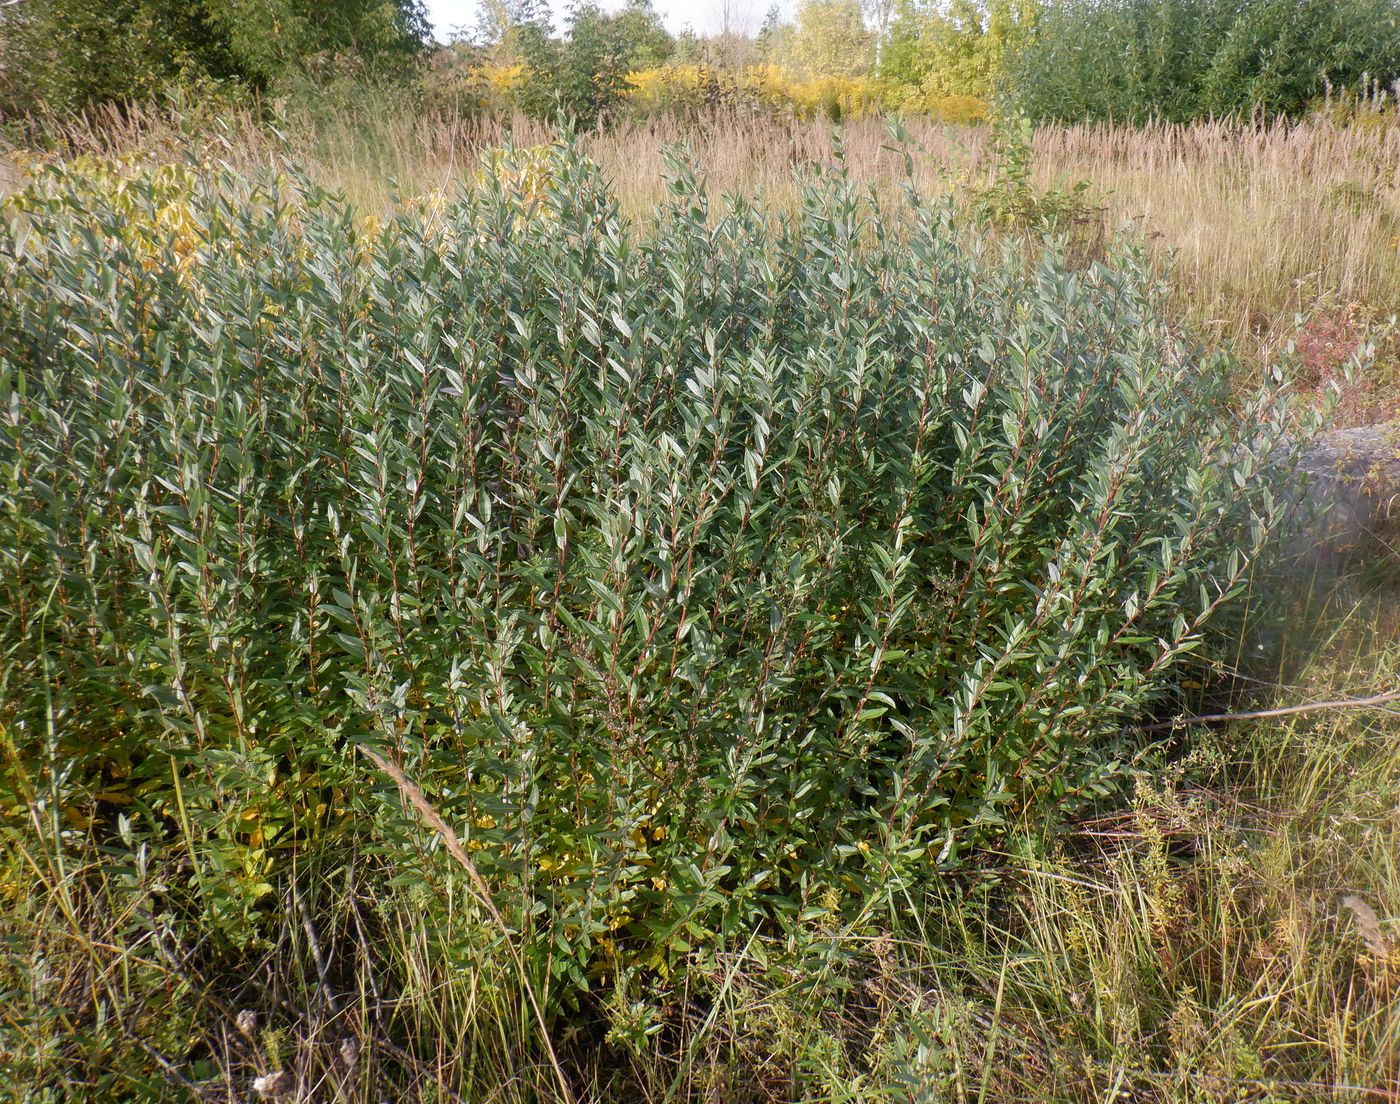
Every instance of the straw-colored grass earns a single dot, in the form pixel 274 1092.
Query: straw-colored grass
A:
pixel 1280 233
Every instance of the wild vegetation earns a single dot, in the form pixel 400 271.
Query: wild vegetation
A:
pixel 1066 60
pixel 1178 60
pixel 60 57
pixel 264 508
pixel 697 605
pixel 1279 239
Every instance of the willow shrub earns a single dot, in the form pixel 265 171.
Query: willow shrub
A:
pixel 732 572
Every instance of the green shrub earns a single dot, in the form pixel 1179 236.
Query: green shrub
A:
pixel 729 573
pixel 1010 201
pixel 59 57
pixel 1134 60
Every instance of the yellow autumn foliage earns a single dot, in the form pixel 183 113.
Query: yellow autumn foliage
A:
pixel 770 87
pixel 501 79
pixel 950 109
pixel 152 201
pixel 778 89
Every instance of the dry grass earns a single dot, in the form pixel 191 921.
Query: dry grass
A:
pixel 1279 233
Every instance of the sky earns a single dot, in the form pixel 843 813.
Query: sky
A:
pixel 702 16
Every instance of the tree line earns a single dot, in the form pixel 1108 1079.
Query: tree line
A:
pixel 1126 60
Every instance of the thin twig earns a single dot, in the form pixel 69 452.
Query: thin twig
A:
pixel 167 1067
pixel 317 955
pixel 1282 711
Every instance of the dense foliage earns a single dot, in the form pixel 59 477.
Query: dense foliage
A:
pixel 1128 60
pixel 731 574
pixel 520 64
pixel 1177 60
pixel 69 55
pixel 952 49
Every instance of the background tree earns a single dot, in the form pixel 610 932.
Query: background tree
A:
pixel 830 40
pixel 63 55
pixel 583 76
pixel 641 34
pixel 1132 60
pixel 1276 55
pixel 68 55
pixel 957 48
pixel 903 62
pixel 727 52
pixel 878 16
pixel 499 22
pixel 273 39
pixel 733 17
pixel 595 64
pixel 770 34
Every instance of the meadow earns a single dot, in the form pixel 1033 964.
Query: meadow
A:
pixel 692 613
